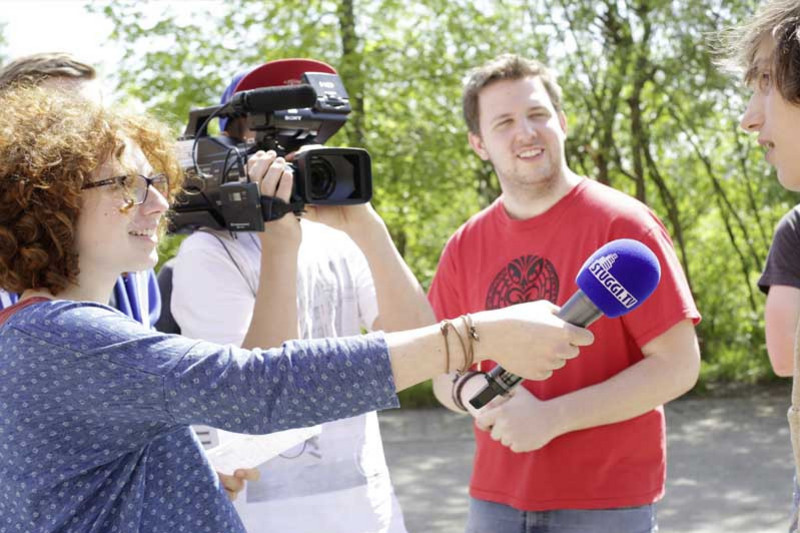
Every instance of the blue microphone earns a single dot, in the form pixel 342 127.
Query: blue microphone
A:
pixel 615 280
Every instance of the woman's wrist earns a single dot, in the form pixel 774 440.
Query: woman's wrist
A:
pixel 484 327
pixel 460 337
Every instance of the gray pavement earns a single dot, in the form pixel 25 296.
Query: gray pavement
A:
pixel 729 468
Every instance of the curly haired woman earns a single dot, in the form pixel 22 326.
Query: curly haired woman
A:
pixel 94 408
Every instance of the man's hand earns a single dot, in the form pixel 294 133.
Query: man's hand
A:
pixel 275 178
pixel 351 219
pixel 522 423
pixel 234 484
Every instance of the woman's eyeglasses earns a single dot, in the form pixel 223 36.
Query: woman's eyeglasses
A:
pixel 136 184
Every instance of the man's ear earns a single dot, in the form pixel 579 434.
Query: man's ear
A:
pixel 237 128
pixel 562 120
pixel 476 143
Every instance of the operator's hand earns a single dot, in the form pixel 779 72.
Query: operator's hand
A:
pixel 352 219
pixel 234 484
pixel 529 339
pixel 275 178
pixel 522 422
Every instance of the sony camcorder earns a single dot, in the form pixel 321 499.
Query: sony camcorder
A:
pixel 313 106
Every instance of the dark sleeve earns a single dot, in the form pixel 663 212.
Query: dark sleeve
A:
pixel 783 261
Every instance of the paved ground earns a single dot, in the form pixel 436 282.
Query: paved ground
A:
pixel 729 467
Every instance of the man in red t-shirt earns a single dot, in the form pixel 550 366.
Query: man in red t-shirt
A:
pixel 585 449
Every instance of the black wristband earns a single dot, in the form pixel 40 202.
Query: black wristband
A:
pixel 273 208
pixel 458 385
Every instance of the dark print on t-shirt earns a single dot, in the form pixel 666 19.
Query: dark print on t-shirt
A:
pixel 525 279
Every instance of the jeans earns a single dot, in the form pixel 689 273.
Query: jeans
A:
pixel 488 517
pixel 795 505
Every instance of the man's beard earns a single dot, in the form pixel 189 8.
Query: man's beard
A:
pixel 534 184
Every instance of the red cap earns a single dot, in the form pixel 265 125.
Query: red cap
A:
pixel 281 72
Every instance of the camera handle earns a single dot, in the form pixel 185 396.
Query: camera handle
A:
pixel 245 209
pixel 273 208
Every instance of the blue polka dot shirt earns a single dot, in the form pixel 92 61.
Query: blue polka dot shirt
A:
pixel 95 413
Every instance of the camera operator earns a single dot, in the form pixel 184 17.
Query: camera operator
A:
pixel 135 293
pixel 348 276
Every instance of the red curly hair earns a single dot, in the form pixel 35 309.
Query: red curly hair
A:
pixel 51 143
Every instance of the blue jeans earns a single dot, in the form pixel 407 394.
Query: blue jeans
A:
pixel 488 517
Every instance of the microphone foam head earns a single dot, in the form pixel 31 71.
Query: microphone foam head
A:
pixel 619 276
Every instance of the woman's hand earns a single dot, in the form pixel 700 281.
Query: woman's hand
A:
pixel 234 484
pixel 529 339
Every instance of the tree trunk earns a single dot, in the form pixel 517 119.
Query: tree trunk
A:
pixel 673 214
pixel 351 72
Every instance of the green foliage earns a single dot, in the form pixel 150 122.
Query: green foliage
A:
pixel 418 396
pixel 168 248
pixel 649 113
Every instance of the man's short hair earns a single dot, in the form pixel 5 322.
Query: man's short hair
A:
pixel 37 67
pixel 504 67
pixel 779 20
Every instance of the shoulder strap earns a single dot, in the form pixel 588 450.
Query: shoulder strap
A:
pixel 233 259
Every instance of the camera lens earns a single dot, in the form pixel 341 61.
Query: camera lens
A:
pixel 322 178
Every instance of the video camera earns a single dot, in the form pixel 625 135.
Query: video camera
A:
pixel 288 104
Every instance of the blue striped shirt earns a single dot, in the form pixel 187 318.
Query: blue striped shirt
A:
pixel 7 299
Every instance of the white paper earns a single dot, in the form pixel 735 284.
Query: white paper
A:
pixel 249 451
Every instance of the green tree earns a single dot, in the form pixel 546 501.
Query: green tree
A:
pixel 656 118
pixel 648 111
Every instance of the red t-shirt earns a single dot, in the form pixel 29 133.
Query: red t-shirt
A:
pixel 493 261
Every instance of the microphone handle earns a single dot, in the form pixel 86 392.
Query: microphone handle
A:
pixel 578 310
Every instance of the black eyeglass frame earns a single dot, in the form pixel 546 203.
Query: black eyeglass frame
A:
pixel 120 180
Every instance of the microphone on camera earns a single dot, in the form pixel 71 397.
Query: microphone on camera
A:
pixel 267 99
pixel 615 280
